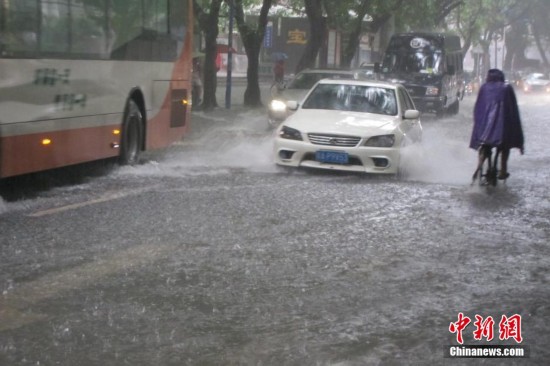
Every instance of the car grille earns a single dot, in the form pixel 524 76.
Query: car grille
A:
pixel 416 91
pixel 333 140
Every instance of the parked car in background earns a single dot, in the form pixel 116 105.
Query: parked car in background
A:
pixel 296 89
pixel 366 71
pixel 351 125
pixel 536 83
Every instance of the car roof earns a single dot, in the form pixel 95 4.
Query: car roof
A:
pixel 327 71
pixel 366 65
pixel 363 82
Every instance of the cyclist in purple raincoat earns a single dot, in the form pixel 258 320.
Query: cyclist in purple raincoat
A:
pixel 496 119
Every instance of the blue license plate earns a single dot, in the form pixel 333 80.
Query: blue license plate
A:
pixel 334 157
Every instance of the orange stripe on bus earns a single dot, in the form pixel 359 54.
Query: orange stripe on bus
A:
pixel 30 153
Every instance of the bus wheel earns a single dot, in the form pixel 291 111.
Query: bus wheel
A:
pixel 130 142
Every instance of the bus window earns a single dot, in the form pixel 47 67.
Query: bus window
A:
pixel 55 25
pixel 127 27
pixel 18 28
pixel 89 33
pixel 152 32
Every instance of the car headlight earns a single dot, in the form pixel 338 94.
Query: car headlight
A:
pixel 381 141
pixel 432 90
pixel 277 106
pixel 290 133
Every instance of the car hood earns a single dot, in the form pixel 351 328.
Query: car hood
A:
pixel 342 122
pixel 537 82
pixel 292 94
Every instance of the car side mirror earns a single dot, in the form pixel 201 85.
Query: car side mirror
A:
pixel 292 105
pixel 411 114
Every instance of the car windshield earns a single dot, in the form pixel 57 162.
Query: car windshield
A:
pixel 538 77
pixel 353 98
pixel 306 80
pixel 412 62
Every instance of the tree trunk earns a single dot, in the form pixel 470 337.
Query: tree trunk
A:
pixel 209 26
pixel 516 42
pixel 542 52
pixel 354 37
pixel 252 40
pixel 252 94
pixel 316 37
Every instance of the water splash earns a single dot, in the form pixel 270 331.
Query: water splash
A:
pixel 219 148
pixel 442 157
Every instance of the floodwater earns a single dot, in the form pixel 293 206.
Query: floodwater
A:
pixel 210 255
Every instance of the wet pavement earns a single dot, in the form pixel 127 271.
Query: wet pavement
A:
pixel 207 254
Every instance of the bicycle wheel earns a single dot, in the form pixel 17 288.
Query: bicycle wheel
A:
pixel 490 176
pixel 489 168
pixel 485 173
pixel 276 88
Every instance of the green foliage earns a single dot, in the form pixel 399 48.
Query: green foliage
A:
pixel 479 20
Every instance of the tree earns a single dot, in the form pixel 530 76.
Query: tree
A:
pixel 317 31
pixel 516 42
pixel 424 15
pixel 481 22
pixel 380 11
pixel 208 24
pixel 539 13
pixel 348 17
pixel 252 37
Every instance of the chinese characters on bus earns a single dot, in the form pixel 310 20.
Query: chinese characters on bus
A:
pixel 52 77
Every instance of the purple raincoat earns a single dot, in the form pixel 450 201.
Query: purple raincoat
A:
pixel 496 115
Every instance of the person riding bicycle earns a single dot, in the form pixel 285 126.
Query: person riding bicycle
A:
pixel 496 120
pixel 279 71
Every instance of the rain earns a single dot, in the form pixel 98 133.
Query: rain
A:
pixel 208 253
pixel 226 259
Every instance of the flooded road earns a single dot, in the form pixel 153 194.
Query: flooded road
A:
pixel 207 254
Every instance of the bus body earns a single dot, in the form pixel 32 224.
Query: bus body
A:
pixel 430 66
pixel 83 80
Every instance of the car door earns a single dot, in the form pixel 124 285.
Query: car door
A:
pixel 411 127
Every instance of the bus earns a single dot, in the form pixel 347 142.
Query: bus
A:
pixel 430 66
pixel 83 80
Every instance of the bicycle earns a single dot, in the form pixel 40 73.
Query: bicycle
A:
pixel 276 87
pixel 487 172
pixel 274 118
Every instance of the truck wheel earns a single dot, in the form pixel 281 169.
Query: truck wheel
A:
pixel 454 108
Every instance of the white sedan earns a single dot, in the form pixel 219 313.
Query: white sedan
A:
pixel 349 125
